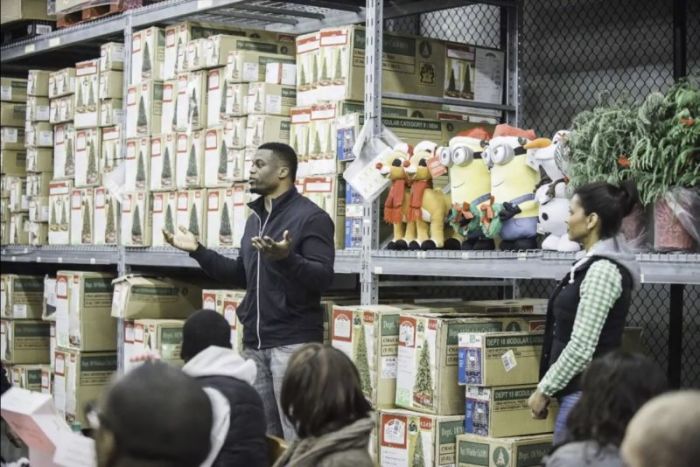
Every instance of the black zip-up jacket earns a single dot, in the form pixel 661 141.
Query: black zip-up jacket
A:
pixel 282 305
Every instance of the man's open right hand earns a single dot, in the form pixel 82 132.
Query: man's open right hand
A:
pixel 182 239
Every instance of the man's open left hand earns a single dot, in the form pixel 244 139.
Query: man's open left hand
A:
pixel 272 249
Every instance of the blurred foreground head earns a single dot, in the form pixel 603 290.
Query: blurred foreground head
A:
pixel 154 416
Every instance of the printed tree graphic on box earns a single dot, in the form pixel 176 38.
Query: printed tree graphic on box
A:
pixel 64 217
pixel 105 156
pixel 146 63
pixel 256 135
pixel 70 162
pixel 223 162
pixel 329 141
pixel 194 223
pixel 91 104
pixel 174 122
pixel 361 359
pixel 235 103
pixel 236 138
pixel 136 233
pixel 140 171
pixel 423 388
pixel 79 99
pixel 166 172
pixel 418 459
pixel 234 68
pixel 169 227
pixel 316 148
pixel 338 75
pixel 452 86
pixel 142 120
pixel 110 229
pixel 192 174
pixel 194 110
pixel 86 232
pixel 225 227
pixel 467 86
pixel 92 164
pixel 314 71
pixel 222 106
pixel 258 103
pixel 52 218
pixel 325 79
pixel 55 88
pixel 302 78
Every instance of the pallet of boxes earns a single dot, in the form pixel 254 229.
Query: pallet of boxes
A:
pixel 408 359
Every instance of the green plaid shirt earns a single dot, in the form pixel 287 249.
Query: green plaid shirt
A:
pixel 600 289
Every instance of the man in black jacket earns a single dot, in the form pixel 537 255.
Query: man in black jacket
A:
pixel 285 263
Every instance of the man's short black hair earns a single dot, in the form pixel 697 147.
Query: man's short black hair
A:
pixel 285 154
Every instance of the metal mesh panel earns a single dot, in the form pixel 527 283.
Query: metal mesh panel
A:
pixel 572 51
pixel 473 24
pixel 694 38
pixel 691 336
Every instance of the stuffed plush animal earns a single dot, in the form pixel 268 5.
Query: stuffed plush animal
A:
pixel 552 194
pixel 396 205
pixel 470 186
pixel 428 207
pixel 512 211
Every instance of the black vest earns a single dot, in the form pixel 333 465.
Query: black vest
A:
pixel 561 313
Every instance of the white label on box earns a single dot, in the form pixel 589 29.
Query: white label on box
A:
pixel 138 333
pixel 129 333
pixel 251 71
pixel 45 138
pixel 488 85
pixel 509 361
pixel 182 201
pixel 388 367
pixel 6 92
pixel 213 204
pixel 273 104
pixel 158 203
pixel 43 112
pixel 10 134
pixel 19 311
pixel 61 364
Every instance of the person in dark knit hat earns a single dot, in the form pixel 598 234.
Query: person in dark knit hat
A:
pixel 140 421
pixel 238 431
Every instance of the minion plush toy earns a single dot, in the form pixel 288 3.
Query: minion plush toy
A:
pixel 470 186
pixel 512 211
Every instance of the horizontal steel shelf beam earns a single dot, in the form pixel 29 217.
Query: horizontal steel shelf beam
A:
pixel 448 101
pixel 57 254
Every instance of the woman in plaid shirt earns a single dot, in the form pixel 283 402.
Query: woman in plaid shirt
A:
pixel 586 313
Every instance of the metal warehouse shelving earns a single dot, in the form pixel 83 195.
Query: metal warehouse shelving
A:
pixel 301 16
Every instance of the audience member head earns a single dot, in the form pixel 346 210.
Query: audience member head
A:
pixel 154 416
pixel 613 388
pixel 665 432
pixel 202 329
pixel 321 391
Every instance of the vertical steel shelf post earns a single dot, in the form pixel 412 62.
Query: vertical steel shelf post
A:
pixel 373 116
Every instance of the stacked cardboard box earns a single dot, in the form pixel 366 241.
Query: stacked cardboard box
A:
pixel 226 302
pixel 13 161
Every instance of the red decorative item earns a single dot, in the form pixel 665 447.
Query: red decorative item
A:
pixel 669 234
pixel 418 187
pixel 393 203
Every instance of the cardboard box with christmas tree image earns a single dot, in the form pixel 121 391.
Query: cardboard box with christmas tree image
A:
pixel 189 160
pixel 111 148
pixel 474 73
pixel 62 110
pixel 19 228
pixel 83 305
pixel 64 143
pixel 111 85
pixel 111 56
pixel 164 213
pixel 38 83
pixel 38 134
pixel 132 110
pixel 163 336
pixel 39 210
pixel 150 108
pixel 225 302
pixel 426 380
pixel 217 48
pixel 218 160
pixel 37 109
pixel 37 233
pixel 265 128
pixel 503 411
pixel 244 66
pixel 236 100
pixel 271 99
pixel 409 439
pixel 235 132
pixel 322 140
pixel 163 150
pixel 196 100
pixel 81 213
pixel 194 56
pixel 111 112
pixel 136 161
pixel 106 217
pixel 147 55
pixel 24 341
pixel 168 119
pixel 39 160
pixel 308 49
pixel 19 201
pixel 88 157
pixel 181 109
pixel 281 73
pixel 59 212
pixel 12 138
pixel 21 296
pixel 329 194
pixel 481 451
pixel 27 376
pixel 498 359
pixel 86 105
pixel 62 82
pixel 136 219
pixel 142 297
pixel 241 197
pixel 299 131
pixel 216 97
pixel 38 184
pixel 13 89
pixel 219 218
pixel 190 212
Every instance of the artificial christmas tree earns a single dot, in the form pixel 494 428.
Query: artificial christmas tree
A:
pixel 146 63
pixel 91 103
pixel 64 223
pixel 193 110
pixel 338 74
pixel 136 232
pixel 325 79
pixel 467 86
pixel 70 162
pixel 169 227
pixel 140 172
pixel 314 72
pixel 79 105
pixel 225 236
pixel 86 233
pixel 110 229
pixel 192 172
pixel 92 164
pixel 423 388
pixel 418 460
pixel 166 175
pixel 52 219
pixel 222 173
pixel 452 86
pixel 360 360
pixel 194 223
pixel 142 120
pixel 316 148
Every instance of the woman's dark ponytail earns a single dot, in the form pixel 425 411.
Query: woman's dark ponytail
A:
pixel 629 197
pixel 611 203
